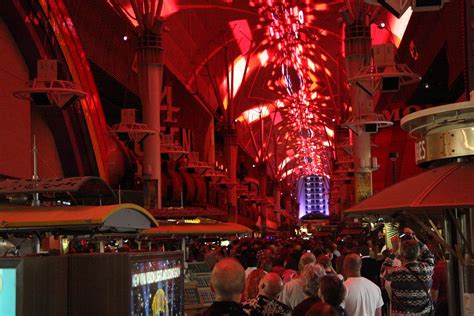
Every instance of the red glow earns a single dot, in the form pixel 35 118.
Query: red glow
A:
pixel 242 34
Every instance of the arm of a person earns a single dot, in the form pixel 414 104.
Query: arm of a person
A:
pixel 388 263
pixel 378 312
pixel 388 288
pixel 425 254
pixel 434 295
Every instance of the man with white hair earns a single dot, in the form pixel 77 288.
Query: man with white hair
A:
pixel 293 293
pixel 311 277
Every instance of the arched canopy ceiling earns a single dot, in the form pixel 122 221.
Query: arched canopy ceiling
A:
pixel 270 68
pixel 281 58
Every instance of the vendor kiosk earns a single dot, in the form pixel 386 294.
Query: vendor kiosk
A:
pixel 197 290
pixel 149 283
pixel 33 286
pixel 128 283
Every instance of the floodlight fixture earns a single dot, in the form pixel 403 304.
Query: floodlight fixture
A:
pixel 47 91
pixel 384 73
pixel 369 123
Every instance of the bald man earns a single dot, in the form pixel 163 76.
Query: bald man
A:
pixel 227 282
pixel 266 302
pixel 363 297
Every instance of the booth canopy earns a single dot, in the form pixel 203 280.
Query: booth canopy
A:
pixel 449 186
pixel 211 229
pixel 109 218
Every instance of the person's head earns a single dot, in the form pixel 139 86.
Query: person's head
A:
pixel 252 284
pixel 270 285
pixel 228 280
pixel 332 289
pixel 364 250
pixel 322 309
pixel 318 251
pixel 311 275
pixel 264 260
pixel 252 261
pixel 352 265
pixel 410 250
pixel 324 260
pixel 306 259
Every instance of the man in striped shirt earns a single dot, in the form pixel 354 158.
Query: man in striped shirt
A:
pixel 409 285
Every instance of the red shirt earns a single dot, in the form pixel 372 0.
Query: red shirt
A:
pixel 440 281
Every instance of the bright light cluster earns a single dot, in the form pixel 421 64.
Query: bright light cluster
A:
pixel 299 75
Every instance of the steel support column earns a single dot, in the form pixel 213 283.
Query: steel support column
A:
pixel 231 151
pixel 358 53
pixel 150 75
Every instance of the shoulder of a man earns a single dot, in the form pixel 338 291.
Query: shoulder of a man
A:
pixel 276 307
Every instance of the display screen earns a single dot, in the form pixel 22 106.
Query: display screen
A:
pixel 157 287
pixel 7 291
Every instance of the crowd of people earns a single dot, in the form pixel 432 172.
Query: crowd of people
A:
pixel 321 277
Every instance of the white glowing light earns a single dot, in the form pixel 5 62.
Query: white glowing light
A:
pixel 301 16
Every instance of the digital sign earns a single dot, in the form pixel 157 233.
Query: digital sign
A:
pixel 157 287
pixel 7 291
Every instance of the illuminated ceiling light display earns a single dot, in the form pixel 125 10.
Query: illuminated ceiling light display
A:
pixel 299 73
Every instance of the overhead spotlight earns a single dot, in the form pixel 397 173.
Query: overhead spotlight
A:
pixel 396 7
pixel 347 15
pixel 381 25
pixel 125 37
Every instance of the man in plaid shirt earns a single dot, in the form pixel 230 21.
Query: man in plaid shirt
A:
pixel 409 284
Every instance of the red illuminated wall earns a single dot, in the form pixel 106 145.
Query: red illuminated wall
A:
pixel 388 140
pixel 17 124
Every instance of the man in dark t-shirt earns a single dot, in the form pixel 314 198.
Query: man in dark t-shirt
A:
pixel 228 282
pixel 266 302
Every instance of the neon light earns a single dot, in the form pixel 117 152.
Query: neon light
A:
pixel 254 114
pixel 263 57
pixel 399 26
pixel 242 34
pixel 321 7
pixel 301 17
pixel 239 69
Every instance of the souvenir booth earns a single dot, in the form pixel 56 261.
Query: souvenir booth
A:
pixel 53 283
pixel 197 292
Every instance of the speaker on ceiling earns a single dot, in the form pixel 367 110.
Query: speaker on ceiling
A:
pixel 371 128
pixel 390 84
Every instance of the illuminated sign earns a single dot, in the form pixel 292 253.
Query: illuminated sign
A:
pixel 420 151
pixel 157 287
pixel 155 276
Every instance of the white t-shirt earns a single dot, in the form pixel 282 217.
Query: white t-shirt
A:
pixel 248 271
pixel 292 293
pixel 363 297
